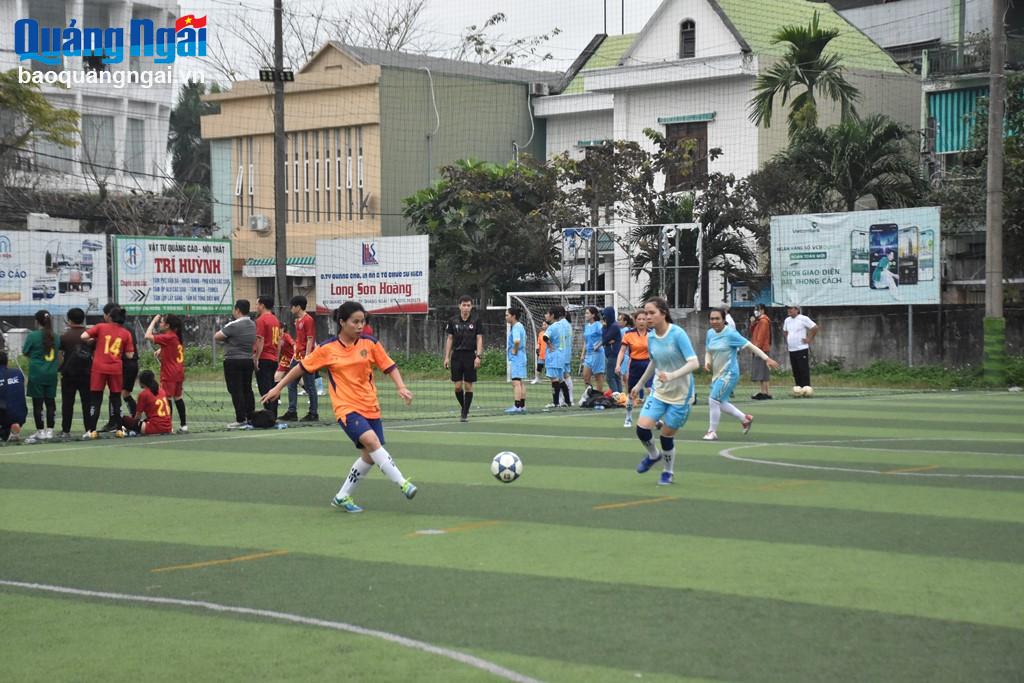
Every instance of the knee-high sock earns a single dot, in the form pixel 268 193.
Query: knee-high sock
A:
pixel 93 417
pixel 469 402
pixel 629 408
pixel 37 412
pixel 647 439
pixel 115 407
pixel 566 393
pixel 51 411
pixel 568 389
pixel 359 469
pixel 129 402
pixel 730 409
pixel 460 397
pixel 668 452
pixel 179 403
pixel 714 414
pixel 387 465
pixel 556 392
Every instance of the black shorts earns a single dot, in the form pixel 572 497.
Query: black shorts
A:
pixel 130 372
pixel 462 364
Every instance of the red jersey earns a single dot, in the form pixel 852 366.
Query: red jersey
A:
pixel 112 342
pixel 157 410
pixel 269 329
pixel 287 352
pixel 172 357
pixel 305 328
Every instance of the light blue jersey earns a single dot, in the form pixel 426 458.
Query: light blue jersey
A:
pixel 559 344
pixel 669 353
pixel 723 347
pixel 517 333
pixel 592 334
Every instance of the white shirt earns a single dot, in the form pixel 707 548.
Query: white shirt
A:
pixel 729 322
pixel 796 330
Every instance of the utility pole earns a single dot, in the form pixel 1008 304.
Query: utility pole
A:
pixel 280 198
pixel 995 324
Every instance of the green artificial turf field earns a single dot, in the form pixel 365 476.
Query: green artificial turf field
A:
pixel 873 538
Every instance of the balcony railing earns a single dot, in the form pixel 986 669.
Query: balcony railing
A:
pixel 954 59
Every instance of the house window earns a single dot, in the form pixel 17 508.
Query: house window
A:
pixel 348 169
pixel 252 176
pixel 359 169
pixel 305 170
pixel 687 39
pixel 316 174
pixel 327 175
pixel 97 134
pixel 695 172
pixel 135 149
pixel 238 180
pixel 295 177
pixel 337 167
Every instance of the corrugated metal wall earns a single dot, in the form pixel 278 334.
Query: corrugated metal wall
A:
pixel 953 111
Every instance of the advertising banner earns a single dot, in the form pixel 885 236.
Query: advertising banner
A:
pixel 172 275
pixel 882 258
pixel 51 270
pixel 384 274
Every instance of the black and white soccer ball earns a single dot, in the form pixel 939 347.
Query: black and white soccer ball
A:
pixel 506 467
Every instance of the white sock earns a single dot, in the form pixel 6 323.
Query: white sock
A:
pixel 714 414
pixel 652 450
pixel 355 475
pixel 670 460
pixel 568 382
pixel 387 465
pixel 730 409
pixel 629 409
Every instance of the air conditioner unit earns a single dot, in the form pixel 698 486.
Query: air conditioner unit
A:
pixel 304 282
pixel 259 223
pixel 540 89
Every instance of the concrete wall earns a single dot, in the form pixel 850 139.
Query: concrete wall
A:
pixel 915 21
pixel 564 132
pixel 661 43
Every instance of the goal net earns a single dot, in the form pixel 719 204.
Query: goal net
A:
pixel 536 304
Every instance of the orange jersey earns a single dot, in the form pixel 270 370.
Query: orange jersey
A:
pixel 350 373
pixel 637 344
pixel 542 346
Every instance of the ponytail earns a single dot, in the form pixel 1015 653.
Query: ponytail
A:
pixel 175 323
pixel 45 322
pixel 148 380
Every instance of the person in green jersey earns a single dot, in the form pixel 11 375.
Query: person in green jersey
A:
pixel 41 347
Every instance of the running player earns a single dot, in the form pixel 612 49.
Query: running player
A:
pixel 516 349
pixel 634 343
pixel 113 342
pixel 152 410
pixel 672 360
pixel 721 347
pixel 166 333
pixel 592 356
pixel 559 338
pixel 350 359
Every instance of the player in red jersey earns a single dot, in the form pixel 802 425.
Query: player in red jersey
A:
pixel 268 339
pixel 166 334
pixel 152 409
pixel 305 342
pixel 284 364
pixel 112 342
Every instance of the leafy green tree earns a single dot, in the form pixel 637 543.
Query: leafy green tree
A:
pixel 190 153
pixel 27 116
pixel 858 158
pixel 805 65
pixel 491 226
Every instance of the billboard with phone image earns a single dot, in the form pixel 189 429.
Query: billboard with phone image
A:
pixel 882 257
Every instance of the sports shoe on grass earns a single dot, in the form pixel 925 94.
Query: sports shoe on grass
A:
pixel 666 479
pixel 111 426
pixel 290 416
pixel 120 433
pixel 346 504
pixel 40 435
pixel 13 438
pixel 89 436
pixel 646 464
pixel 409 489
pixel 310 417
pixel 628 423
pixel 711 436
pixel 183 429
pixel 512 411
pixel 747 421
pixel 235 425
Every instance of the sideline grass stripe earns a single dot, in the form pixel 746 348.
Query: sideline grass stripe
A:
pixel 460 657
pixel 941 588
pixel 216 563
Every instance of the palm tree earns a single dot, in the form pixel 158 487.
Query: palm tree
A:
pixel 804 64
pixel 855 159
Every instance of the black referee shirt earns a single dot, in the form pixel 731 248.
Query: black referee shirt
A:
pixel 464 332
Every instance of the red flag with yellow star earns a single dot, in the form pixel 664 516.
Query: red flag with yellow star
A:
pixel 189 21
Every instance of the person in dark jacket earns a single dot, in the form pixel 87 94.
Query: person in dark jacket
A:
pixel 611 340
pixel 13 409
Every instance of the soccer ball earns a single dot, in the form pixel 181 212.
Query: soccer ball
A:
pixel 807 391
pixel 798 392
pixel 506 467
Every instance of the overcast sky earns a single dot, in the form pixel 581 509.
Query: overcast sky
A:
pixel 579 20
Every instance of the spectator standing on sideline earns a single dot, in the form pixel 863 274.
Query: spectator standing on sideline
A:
pixel 41 348
pixel 268 340
pixel 305 342
pixel 462 350
pixel 611 340
pixel 760 335
pixel 800 333
pixel 75 364
pixel 239 336
pixel 13 409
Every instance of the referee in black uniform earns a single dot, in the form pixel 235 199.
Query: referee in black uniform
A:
pixel 462 350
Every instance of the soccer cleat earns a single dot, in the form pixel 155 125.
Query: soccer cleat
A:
pixel 628 423
pixel 521 411
pixel 534 380
pixel 120 433
pixel 666 479
pixel 290 416
pixel 747 421
pixel 409 489
pixel 37 437
pixel 511 411
pixel 550 406
pixel 310 417
pixel 346 504
pixel 64 436
pixel 235 425
pixel 111 426
pixel 463 418
pixel 711 436
pixel 646 464
pixel 183 429
pixel 89 436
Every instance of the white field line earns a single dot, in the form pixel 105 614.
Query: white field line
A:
pixel 460 657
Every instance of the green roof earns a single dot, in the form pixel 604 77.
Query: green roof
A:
pixel 607 55
pixel 757 21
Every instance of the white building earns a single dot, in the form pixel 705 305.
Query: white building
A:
pixel 123 129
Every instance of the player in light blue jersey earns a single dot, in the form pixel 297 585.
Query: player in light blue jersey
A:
pixel 559 338
pixel 592 355
pixel 672 362
pixel 515 349
pixel 721 347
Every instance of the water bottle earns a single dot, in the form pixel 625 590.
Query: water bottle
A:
pixel 281 425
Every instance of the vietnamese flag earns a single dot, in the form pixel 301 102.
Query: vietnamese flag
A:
pixel 189 21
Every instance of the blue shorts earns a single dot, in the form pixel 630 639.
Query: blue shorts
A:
pixel 355 425
pixel 625 365
pixel 594 361
pixel 554 371
pixel 722 388
pixel 517 368
pixel 637 368
pixel 672 414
